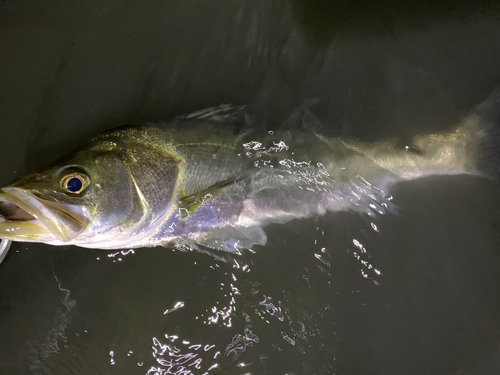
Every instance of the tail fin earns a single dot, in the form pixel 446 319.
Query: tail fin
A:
pixel 482 128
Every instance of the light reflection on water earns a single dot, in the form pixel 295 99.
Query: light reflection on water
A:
pixel 251 321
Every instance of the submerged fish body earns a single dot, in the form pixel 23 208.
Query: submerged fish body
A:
pixel 203 180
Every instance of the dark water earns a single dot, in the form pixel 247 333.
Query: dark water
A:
pixel 329 296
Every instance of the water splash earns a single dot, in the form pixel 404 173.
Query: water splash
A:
pixel 240 343
pixel 367 267
pixel 181 357
pixel 177 306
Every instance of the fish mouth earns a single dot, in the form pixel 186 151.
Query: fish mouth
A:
pixel 24 217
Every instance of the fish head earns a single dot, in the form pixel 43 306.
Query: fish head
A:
pixel 109 194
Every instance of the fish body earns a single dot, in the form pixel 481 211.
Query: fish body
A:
pixel 204 179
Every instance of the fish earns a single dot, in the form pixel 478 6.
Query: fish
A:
pixel 213 179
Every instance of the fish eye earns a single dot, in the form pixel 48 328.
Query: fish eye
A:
pixel 75 182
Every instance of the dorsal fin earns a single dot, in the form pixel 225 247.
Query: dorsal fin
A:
pixel 305 117
pixel 225 113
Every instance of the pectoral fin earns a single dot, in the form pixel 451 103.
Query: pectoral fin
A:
pixel 191 203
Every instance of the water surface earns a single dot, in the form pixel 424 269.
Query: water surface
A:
pixel 414 291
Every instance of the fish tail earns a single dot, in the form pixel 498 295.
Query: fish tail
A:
pixel 482 131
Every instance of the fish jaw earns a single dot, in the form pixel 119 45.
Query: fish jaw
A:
pixel 27 218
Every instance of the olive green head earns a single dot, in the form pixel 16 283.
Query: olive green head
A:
pixel 112 192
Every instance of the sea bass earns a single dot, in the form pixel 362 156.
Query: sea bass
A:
pixel 205 181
